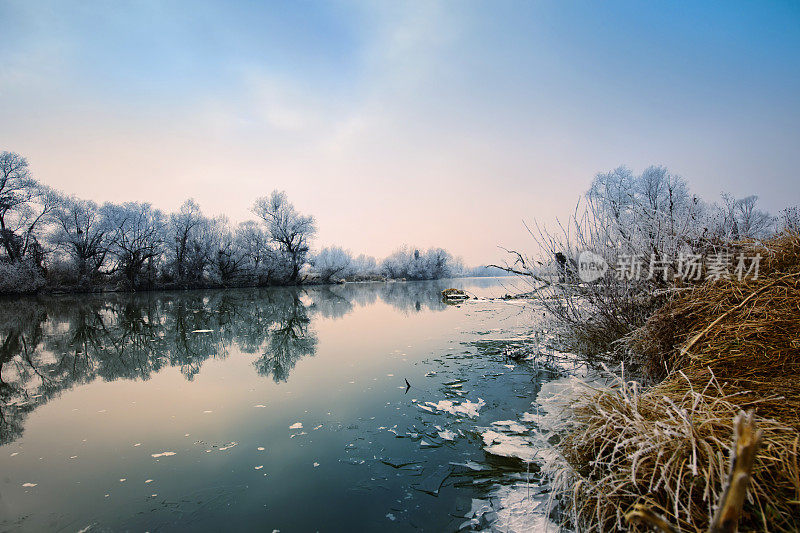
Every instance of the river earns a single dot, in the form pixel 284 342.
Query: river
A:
pixel 334 408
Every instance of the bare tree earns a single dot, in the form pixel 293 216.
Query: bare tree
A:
pixel 290 230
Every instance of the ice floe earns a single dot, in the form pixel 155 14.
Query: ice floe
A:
pixel 511 425
pixel 162 454
pixel 505 445
pixel 517 508
pixel 296 425
pixel 465 408
pixel 447 435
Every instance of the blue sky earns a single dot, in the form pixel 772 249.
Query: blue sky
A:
pixel 380 112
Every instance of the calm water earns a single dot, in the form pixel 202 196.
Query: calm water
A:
pixel 253 409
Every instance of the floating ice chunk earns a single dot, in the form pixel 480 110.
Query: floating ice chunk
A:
pixel 260 406
pixel 162 454
pixel 29 484
pixel 259 467
pixel 529 417
pixel 122 479
pixel 260 448
pixel 228 446
pixel 465 408
pixel 148 480
pixel 521 508
pixel 208 411
pixel 316 465
pixel 511 425
pixel 505 445
pixel 391 517
pixel 296 425
pixel 447 435
pixel 15 453
pixel 137 444
pixel 317 427
pixel 472 465
pixel 73 457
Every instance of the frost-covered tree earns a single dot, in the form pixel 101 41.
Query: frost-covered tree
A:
pixel 81 231
pixel 227 258
pixel 136 232
pixel 652 213
pixel 740 218
pixel 790 219
pixel 25 207
pixel 263 262
pixel 189 243
pixel 333 263
pixel 409 263
pixel 365 266
pixel 288 229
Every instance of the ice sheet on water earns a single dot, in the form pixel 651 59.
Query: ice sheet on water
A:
pixel 296 425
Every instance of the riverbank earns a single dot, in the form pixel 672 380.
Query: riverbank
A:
pixel 719 348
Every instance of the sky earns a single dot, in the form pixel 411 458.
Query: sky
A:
pixel 426 123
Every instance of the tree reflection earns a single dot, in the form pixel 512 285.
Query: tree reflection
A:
pixel 49 345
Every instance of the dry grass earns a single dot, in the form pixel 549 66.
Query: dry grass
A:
pixel 721 347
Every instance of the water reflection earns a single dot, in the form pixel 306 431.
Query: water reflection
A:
pixel 50 344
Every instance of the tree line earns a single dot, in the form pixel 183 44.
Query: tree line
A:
pixel 53 241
